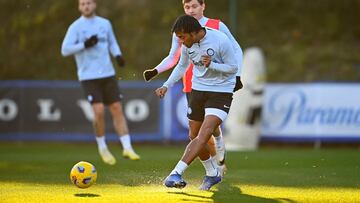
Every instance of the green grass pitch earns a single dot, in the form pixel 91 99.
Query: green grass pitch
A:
pixel 39 172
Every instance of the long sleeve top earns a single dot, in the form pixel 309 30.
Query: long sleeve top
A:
pixel 173 57
pixel 221 73
pixel 93 62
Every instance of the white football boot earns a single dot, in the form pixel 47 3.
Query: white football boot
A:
pixel 130 154
pixel 107 157
pixel 220 154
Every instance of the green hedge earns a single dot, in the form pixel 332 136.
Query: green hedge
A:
pixel 303 40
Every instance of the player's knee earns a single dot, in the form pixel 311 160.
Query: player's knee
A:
pixel 202 141
pixel 193 133
pixel 208 130
pixel 206 135
pixel 99 116
pixel 116 107
pixel 211 141
pixel 192 136
pixel 217 131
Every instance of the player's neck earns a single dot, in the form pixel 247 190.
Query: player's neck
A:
pixel 200 17
pixel 200 35
pixel 89 16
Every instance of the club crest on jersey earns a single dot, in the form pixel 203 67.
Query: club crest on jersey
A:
pixel 210 52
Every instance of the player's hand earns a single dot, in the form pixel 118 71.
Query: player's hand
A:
pixel 150 74
pixel 238 84
pixel 92 41
pixel 206 60
pixel 161 91
pixel 120 60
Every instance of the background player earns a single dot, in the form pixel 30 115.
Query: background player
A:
pixel 90 38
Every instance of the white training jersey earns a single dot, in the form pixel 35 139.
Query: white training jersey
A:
pixel 93 62
pixel 172 59
pixel 221 73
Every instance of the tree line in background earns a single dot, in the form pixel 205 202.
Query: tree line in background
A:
pixel 303 40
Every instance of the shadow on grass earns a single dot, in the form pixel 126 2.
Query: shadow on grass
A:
pixel 230 193
pixel 203 198
pixel 86 195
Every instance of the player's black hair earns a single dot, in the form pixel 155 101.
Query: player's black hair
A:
pixel 186 24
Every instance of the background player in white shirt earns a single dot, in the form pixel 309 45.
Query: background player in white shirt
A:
pixel 90 38
pixel 214 78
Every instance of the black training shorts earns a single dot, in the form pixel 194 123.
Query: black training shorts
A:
pixel 201 100
pixel 103 90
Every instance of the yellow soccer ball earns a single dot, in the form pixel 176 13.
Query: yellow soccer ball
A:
pixel 83 174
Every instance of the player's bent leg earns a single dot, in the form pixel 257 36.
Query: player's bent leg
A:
pixel 220 114
pixel 150 74
pixel 175 179
pixel 210 146
pixel 206 158
pixel 193 148
pixel 210 123
pixel 194 127
pixel 213 152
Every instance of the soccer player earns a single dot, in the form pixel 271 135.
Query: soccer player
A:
pixel 213 82
pixel 90 38
pixel 196 9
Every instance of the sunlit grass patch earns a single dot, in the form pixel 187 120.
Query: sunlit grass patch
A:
pixel 39 172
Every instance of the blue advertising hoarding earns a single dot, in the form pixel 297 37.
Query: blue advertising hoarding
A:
pixel 318 111
pixel 57 110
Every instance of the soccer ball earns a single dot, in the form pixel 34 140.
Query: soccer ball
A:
pixel 83 174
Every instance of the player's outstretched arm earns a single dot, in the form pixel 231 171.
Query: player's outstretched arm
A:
pixel 167 63
pixel 176 74
pixel 150 74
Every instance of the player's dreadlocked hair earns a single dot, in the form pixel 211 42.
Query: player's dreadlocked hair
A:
pixel 186 24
